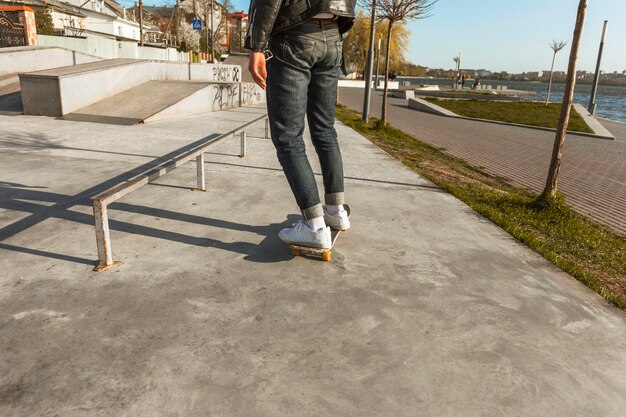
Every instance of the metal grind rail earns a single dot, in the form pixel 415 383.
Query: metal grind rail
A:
pixel 102 200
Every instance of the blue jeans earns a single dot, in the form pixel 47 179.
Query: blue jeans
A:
pixel 302 80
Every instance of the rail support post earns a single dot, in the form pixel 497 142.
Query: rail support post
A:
pixel 103 238
pixel 267 128
pixel 243 144
pixel 200 180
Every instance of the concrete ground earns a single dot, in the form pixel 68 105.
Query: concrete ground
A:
pixel 427 309
pixel 593 171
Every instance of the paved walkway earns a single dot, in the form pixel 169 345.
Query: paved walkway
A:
pixel 427 309
pixel 593 173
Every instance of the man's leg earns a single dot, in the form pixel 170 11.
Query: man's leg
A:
pixel 322 96
pixel 287 85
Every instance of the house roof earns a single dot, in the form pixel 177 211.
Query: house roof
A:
pixel 238 15
pixel 51 4
pixel 160 10
pixel 119 9
pixel 15 8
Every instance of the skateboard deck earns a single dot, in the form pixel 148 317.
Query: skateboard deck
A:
pixel 325 254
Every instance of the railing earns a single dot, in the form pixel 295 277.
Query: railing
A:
pixel 102 200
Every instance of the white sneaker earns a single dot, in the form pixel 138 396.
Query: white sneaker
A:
pixel 302 235
pixel 339 221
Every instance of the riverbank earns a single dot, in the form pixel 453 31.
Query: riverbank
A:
pixel 610 100
pixel 593 174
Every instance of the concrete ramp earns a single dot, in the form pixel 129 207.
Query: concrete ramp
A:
pixel 159 100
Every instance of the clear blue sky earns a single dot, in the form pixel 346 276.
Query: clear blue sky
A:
pixel 510 35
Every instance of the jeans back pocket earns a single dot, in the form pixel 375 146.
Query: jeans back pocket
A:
pixel 298 51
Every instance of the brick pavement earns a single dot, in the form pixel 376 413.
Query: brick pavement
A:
pixel 593 172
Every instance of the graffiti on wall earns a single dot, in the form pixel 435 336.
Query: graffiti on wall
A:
pixel 225 96
pixel 250 94
pixel 226 73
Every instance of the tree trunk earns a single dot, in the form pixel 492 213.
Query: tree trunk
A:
pixel 383 112
pixel 550 82
pixel 568 96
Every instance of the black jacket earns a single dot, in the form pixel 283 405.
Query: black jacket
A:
pixel 268 17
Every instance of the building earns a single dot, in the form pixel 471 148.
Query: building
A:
pixel 162 18
pixel 237 28
pixel 68 20
pixel 17 26
pixel 106 17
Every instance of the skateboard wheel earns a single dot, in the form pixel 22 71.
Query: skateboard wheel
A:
pixel 295 252
pixel 326 256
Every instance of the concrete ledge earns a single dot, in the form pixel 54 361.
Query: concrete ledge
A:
pixel 425 106
pixel 494 96
pixel 591 121
pixel 405 94
pixel 393 85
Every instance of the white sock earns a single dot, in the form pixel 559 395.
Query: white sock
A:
pixel 332 209
pixel 316 223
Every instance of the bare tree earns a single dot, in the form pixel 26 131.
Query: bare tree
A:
pixel 550 191
pixel 215 22
pixel 556 46
pixel 189 37
pixel 457 62
pixel 396 11
pixel 457 70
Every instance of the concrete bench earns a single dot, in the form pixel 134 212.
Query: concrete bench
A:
pixel 58 91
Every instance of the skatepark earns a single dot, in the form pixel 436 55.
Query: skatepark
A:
pixel 426 309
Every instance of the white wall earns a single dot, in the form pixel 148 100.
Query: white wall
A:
pixel 26 59
pixel 61 20
pixel 126 29
pixel 100 46
pixel 109 48
pixel 127 50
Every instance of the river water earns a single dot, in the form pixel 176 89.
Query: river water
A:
pixel 610 100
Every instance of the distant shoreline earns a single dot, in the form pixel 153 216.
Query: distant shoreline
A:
pixel 584 81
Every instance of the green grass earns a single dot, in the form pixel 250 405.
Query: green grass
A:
pixel 521 112
pixel 584 249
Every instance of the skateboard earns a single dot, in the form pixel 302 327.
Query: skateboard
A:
pixel 325 254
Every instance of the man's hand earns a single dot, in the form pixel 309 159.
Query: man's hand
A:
pixel 256 66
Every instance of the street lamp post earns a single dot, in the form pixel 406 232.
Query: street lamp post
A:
pixel 596 78
pixel 377 64
pixel 212 35
pixel 140 23
pixel 368 66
